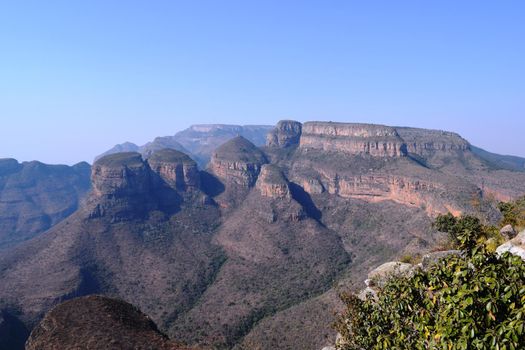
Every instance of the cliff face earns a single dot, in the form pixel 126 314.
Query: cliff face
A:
pixel 425 142
pixel 121 174
pixel 237 162
pixel 176 169
pixel 353 139
pixel 125 185
pixel 272 183
pixel 286 133
pixel 378 187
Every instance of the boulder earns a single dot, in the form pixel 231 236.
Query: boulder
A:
pixel 508 232
pixel 432 258
pixel 381 274
pixel 515 246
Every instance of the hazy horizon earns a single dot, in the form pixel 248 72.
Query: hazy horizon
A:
pixel 78 78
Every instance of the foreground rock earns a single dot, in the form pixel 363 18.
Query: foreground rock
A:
pixel 515 246
pixel 97 322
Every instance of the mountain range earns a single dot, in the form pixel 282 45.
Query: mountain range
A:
pixel 229 242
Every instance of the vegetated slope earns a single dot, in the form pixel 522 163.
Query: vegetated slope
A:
pixel 500 161
pixel 261 240
pixel 97 322
pixel 35 196
pixel 199 141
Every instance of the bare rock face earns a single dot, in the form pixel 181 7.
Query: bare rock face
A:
pixel 121 185
pixel 272 183
pixel 377 187
pixel 353 139
pixel 97 322
pixel 120 174
pixel 175 168
pixel 237 162
pixel 286 133
pixel 424 142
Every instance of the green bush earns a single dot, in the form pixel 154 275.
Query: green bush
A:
pixel 472 301
pixel 513 213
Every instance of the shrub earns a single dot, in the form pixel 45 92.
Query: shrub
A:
pixel 472 301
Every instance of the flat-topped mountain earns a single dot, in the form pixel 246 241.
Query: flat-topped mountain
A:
pixel 35 196
pixel 249 253
pixel 353 139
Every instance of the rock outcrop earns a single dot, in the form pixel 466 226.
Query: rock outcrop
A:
pixel 376 187
pixel 353 139
pixel 177 169
pixel 120 174
pixel 424 142
pixel 237 162
pixel 508 232
pixel 515 246
pixel 286 133
pixel 97 322
pixel 272 183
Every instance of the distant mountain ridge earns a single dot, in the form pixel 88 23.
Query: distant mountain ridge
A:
pixel 198 141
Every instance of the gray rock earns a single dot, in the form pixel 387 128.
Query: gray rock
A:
pixel 381 274
pixel 508 232
pixel 432 258
pixel 515 246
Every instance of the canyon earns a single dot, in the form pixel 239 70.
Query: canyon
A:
pixel 250 249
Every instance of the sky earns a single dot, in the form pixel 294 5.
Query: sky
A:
pixel 77 77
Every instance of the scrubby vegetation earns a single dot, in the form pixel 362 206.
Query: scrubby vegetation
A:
pixel 475 300
pixel 513 213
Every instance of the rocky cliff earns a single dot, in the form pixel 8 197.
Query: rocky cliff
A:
pixel 237 162
pixel 272 183
pixel 353 139
pixel 286 133
pixel 176 169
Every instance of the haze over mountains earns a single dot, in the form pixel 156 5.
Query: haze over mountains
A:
pixel 247 251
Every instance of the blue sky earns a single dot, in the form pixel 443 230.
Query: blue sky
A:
pixel 76 77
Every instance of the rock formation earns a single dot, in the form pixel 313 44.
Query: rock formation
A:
pixel 286 133
pixel 198 141
pixel 175 168
pixel 425 143
pixel 237 162
pixel 515 246
pixel 97 322
pixel 353 139
pixel 272 183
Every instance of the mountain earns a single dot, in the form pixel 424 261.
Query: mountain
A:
pixel 35 196
pixel 199 141
pixel 97 322
pixel 250 253
pixel 499 161
pixel 202 140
